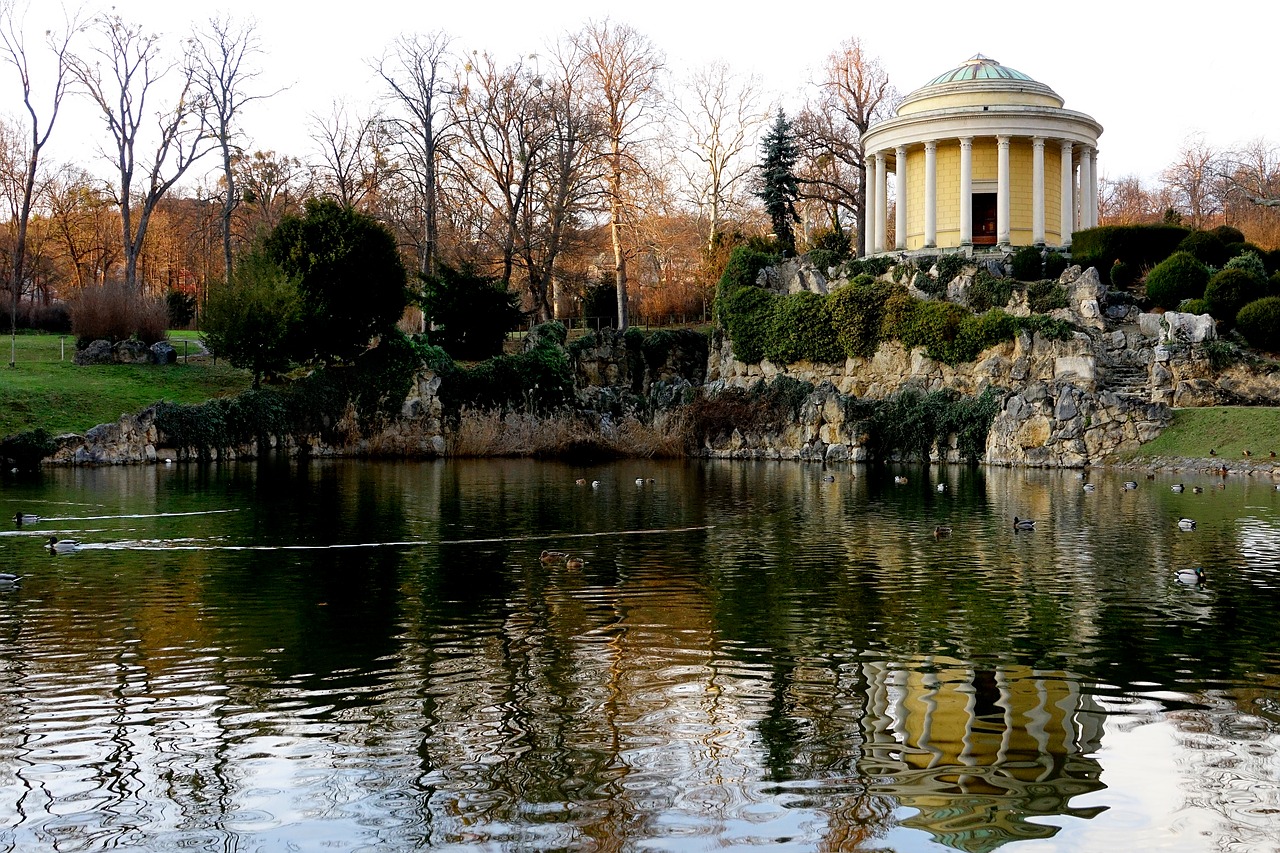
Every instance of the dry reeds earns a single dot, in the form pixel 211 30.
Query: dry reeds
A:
pixel 562 435
pixel 116 312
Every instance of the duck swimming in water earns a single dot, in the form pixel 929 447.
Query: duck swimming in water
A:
pixel 1186 524
pixel 1192 576
pixel 7 579
pixel 941 531
pixel 62 546
pixel 553 556
pixel 1130 485
pixel 1177 487
pixel 22 518
pixel 575 563
pixel 1089 487
pixel 1023 524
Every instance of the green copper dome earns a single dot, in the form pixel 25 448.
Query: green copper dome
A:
pixel 979 67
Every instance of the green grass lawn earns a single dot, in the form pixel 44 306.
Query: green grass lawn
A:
pixel 44 391
pixel 1229 430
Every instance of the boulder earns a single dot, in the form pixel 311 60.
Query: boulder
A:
pixel 132 352
pixel 1188 328
pixel 98 352
pixel 162 352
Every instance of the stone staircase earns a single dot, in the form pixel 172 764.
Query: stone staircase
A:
pixel 1128 380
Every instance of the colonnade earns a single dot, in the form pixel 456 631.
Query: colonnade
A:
pixel 1079 192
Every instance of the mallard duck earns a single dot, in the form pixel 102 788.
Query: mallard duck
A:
pixel 595 484
pixel 1196 490
pixel 900 480
pixel 62 546
pixel 1089 487
pixel 22 518
pixel 7 579
pixel 941 531
pixel 1186 524
pixel 1130 485
pixel 1177 487
pixel 581 481
pixel 829 478
pixel 942 487
pixel 575 563
pixel 1193 576
pixel 639 481
pixel 553 556
pixel 1023 524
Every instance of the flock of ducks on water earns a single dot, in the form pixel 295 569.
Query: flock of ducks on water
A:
pixel 1190 576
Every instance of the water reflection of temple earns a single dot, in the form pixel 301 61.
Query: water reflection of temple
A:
pixel 979 751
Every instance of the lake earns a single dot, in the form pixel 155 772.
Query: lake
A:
pixel 372 656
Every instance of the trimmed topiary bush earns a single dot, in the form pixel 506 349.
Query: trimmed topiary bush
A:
pixel 1259 322
pixel 1179 276
pixel 1229 291
pixel 1139 245
pixel 1228 234
pixel 1194 306
pixel 1027 265
pixel 1250 262
pixel 1207 247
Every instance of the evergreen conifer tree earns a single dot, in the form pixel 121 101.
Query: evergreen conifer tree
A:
pixel 779 187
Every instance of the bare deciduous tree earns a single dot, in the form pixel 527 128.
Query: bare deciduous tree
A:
pixel 135 66
pixel 624 67
pixel 222 50
pixel 1194 180
pixel 15 53
pixel 352 158
pixel 722 115
pixel 856 86
pixel 414 69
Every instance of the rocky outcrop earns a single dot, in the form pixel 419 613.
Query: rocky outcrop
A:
pixel 126 352
pixel 1060 425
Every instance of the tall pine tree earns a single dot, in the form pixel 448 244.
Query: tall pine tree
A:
pixel 779 188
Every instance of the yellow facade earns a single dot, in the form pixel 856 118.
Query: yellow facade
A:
pixel 985 169
pixel 978 99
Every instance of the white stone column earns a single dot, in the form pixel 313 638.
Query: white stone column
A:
pixel 1002 191
pixel 1068 205
pixel 1037 190
pixel 966 191
pixel 930 194
pixel 882 201
pixel 1086 183
pixel 872 185
pixel 900 188
pixel 1093 188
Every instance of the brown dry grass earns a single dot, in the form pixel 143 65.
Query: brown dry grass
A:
pixel 116 312
pixel 489 433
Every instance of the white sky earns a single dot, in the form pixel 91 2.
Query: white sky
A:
pixel 1150 73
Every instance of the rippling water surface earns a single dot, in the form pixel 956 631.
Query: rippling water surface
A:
pixel 364 656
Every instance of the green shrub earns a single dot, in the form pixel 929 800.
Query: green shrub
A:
pixel 26 450
pixel 537 380
pixel 469 314
pixel 181 307
pixel 1178 277
pixel 1221 354
pixel 950 266
pixel 829 248
pixel 1138 245
pixel 1045 296
pixel 1194 306
pixel 1250 262
pixel 747 315
pixel 874 267
pixel 1228 234
pixel 1206 246
pixel 909 424
pixel 1259 322
pixel 1027 265
pixel 1229 291
pixel 1055 264
pixel 1272 261
pixel 742 270
pixel 1123 274
pixel 857 310
pixel 801 328
pixel 926 283
pixel 935 326
pixel 764 407
pixel 1243 246
pixel 987 291
pixel 1273 284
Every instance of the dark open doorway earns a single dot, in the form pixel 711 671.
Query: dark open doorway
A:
pixel 984 219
